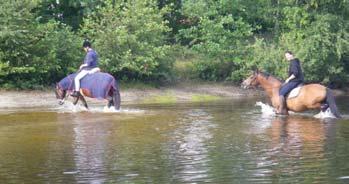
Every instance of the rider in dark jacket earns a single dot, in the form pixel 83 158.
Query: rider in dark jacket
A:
pixel 295 77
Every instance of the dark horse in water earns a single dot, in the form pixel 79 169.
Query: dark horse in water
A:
pixel 98 85
pixel 311 96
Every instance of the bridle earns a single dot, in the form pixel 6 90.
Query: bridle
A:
pixel 61 95
pixel 252 80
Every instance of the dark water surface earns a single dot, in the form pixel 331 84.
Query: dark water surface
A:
pixel 227 141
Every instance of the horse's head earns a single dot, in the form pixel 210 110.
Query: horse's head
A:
pixel 60 94
pixel 251 81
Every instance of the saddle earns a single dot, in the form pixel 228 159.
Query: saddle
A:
pixel 295 92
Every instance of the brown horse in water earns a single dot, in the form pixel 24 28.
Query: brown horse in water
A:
pixel 311 96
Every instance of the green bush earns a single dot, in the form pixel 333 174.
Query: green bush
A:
pixel 321 46
pixel 217 35
pixel 267 57
pixel 33 54
pixel 133 39
pixel 320 41
pixel 57 54
pixel 130 39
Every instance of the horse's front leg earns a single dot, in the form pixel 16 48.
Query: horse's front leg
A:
pixel 84 101
pixel 76 99
pixel 275 102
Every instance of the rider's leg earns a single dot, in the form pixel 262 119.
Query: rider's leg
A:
pixel 284 90
pixel 282 100
pixel 282 107
pixel 94 70
pixel 77 79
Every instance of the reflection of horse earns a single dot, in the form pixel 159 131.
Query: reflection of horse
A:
pixel 98 85
pixel 304 129
pixel 299 136
pixel 311 96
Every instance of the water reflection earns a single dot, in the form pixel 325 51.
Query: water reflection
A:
pixel 222 142
pixel 191 151
pixel 89 146
pixel 294 150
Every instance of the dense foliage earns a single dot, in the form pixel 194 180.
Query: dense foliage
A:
pixel 131 39
pixel 40 40
pixel 33 54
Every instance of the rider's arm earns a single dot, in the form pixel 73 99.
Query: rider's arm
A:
pixel 83 65
pixel 295 67
pixel 290 78
pixel 89 58
pixel 294 70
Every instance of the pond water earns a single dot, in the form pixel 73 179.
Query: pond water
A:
pixel 226 141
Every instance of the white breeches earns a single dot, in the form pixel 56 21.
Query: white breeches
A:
pixel 81 75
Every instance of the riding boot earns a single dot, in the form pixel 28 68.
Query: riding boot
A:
pixel 282 107
pixel 76 94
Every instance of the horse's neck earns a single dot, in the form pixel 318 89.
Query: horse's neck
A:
pixel 67 82
pixel 271 86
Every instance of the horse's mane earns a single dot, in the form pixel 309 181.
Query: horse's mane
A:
pixel 267 75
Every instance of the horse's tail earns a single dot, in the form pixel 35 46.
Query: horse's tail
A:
pixel 332 103
pixel 116 95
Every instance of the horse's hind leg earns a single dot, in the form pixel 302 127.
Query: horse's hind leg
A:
pixel 110 101
pixel 84 101
pixel 116 99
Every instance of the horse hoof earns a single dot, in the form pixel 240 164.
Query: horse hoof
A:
pixel 281 114
pixel 324 107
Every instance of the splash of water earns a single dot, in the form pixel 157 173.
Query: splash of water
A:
pixel 69 107
pixel 266 109
pixel 326 114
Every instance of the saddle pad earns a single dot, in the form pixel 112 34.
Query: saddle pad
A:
pixel 295 92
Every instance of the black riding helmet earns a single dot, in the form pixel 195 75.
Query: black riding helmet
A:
pixel 86 44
